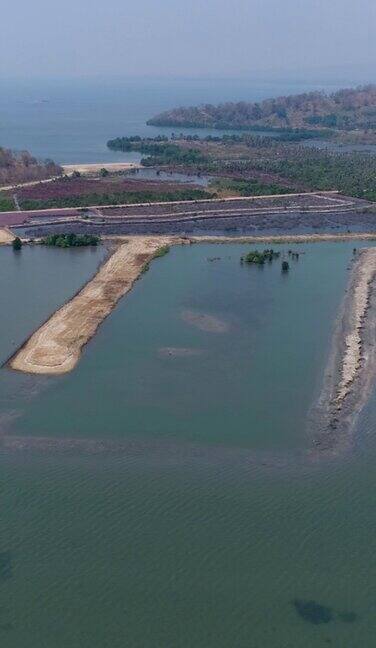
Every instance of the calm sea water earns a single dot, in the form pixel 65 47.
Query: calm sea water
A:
pixel 71 121
pixel 207 523
pixel 237 369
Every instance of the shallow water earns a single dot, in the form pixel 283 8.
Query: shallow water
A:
pixel 33 284
pixel 206 526
pixel 233 318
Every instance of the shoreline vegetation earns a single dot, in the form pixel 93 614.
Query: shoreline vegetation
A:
pixel 246 164
pixel 70 240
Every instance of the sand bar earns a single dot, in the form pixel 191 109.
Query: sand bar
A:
pixel 364 274
pixel 56 346
pixel 112 167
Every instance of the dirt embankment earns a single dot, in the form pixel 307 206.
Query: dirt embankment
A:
pixel 351 368
pixel 286 238
pixel 55 348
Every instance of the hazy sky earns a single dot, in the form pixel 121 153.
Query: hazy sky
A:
pixel 221 38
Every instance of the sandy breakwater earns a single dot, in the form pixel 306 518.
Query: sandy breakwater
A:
pixel 56 346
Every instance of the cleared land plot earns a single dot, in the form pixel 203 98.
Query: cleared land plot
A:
pixel 258 213
pixel 73 187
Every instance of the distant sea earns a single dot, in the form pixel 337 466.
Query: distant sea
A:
pixel 71 121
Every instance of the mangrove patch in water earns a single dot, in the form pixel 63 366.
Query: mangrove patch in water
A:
pixel 259 258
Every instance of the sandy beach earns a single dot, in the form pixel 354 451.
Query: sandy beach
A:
pixel 112 167
pixel 6 237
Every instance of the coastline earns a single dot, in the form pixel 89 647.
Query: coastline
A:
pixel 364 273
pixel 351 367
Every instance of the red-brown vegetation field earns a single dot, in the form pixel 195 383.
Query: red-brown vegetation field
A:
pixel 67 187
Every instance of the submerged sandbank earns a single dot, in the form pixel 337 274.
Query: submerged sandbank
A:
pixel 204 321
pixel 56 346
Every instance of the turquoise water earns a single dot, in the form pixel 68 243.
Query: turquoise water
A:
pixel 205 523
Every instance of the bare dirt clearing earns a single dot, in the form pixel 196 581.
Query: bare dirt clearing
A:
pixel 112 167
pixel 6 237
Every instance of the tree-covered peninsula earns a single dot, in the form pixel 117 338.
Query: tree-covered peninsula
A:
pixel 345 110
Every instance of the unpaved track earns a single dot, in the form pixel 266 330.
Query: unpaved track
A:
pixel 55 348
pixel 283 238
